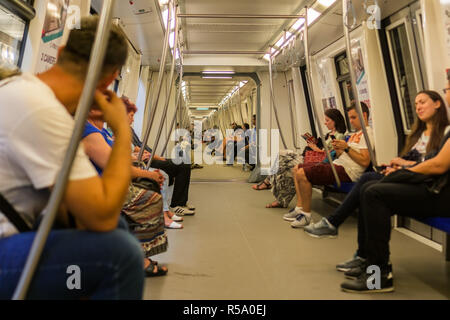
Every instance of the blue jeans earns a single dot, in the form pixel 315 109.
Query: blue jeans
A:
pixel 110 264
pixel 351 201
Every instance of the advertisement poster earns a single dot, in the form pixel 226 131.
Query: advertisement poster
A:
pixel 52 32
pixel 328 98
pixel 360 74
pixel 446 13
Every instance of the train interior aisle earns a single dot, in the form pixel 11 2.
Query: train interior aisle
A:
pixel 234 248
pixel 328 91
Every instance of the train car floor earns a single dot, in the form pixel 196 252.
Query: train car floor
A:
pixel 234 248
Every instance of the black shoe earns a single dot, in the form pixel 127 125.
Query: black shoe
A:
pixel 355 273
pixel 361 284
pixel 350 264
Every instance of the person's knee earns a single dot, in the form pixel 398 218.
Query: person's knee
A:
pixel 301 176
pixel 123 249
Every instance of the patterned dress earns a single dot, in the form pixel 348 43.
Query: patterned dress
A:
pixel 283 186
pixel 144 210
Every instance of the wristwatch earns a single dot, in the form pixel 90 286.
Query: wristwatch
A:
pixel 347 150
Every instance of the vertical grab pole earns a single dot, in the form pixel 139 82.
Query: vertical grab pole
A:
pixel 154 106
pixel 87 97
pixel 311 96
pixel 169 91
pixel 345 12
pixel 177 107
pixel 290 87
pixel 273 105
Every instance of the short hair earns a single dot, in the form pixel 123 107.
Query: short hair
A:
pixel 364 107
pixel 130 106
pixel 75 55
pixel 246 126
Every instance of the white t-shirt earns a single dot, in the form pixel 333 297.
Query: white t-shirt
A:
pixel 35 130
pixel 357 143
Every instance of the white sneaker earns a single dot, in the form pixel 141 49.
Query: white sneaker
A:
pixel 291 215
pixel 189 207
pixel 301 221
pixel 176 218
pixel 182 211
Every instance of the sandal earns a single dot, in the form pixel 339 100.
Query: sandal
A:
pixel 258 186
pixel 150 270
pixel 275 204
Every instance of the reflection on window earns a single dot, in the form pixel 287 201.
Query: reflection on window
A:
pixel 11 35
pixel 405 74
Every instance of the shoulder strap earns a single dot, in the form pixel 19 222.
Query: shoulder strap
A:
pixel 13 216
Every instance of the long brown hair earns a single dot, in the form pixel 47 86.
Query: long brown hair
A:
pixel 439 122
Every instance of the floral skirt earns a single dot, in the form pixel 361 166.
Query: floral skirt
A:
pixel 144 211
pixel 283 186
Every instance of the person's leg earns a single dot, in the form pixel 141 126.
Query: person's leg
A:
pixel 181 186
pixel 351 201
pixel 304 190
pixel 76 265
pixel 382 200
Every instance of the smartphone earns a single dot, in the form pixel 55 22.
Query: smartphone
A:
pixel 380 169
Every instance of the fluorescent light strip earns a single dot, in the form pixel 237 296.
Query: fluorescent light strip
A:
pixel 216 77
pixel 218 72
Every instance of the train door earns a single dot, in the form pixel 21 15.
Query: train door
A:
pixel 403 42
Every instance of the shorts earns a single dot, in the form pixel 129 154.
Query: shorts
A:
pixel 322 174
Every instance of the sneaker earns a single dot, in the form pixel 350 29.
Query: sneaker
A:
pixel 355 273
pixel 176 218
pixel 322 229
pixel 291 215
pixel 301 221
pixel 361 284
pixel 182 211
pixel 189 207
pixel 350 264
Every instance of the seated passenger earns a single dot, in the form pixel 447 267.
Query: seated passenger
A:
pixel 34 136
pixel 170 219
pixel 142 206
pixel 282 183
pixel 426 134
pixel 403 195
pixel 179 177
pixel 352 160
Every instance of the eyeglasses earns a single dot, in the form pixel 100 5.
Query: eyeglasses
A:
pixel 445 90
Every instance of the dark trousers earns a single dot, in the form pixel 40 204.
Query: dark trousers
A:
pixel 380 201
pixel 351 201
pixel 180 175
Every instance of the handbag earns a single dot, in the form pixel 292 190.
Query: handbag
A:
pixel 147 184
pixel 313 157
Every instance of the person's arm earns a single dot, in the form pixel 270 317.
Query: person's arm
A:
pixel 362 158
pixel 437 165
pixel 96 202
pixel 100 152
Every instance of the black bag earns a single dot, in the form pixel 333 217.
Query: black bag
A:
pixel 13 216
pixel 147 184
pixel 434 183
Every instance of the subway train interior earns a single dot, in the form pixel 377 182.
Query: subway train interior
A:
pixel 291 135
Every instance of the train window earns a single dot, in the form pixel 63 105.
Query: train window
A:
pixel 11 37
pixel 404 73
